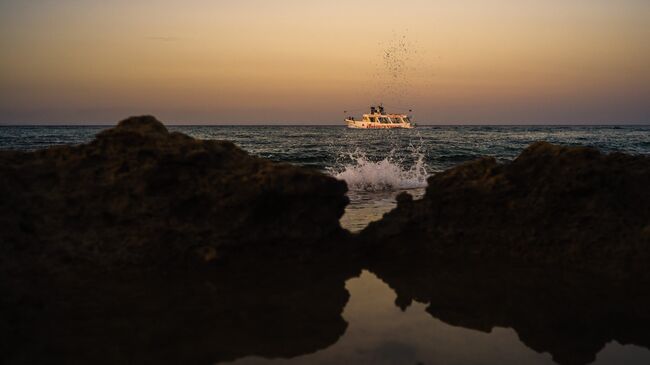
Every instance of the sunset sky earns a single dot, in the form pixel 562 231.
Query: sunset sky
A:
pixel 285 61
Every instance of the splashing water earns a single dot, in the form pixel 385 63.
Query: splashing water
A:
pixel 390 173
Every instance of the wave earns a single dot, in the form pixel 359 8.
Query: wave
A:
pixel 390 173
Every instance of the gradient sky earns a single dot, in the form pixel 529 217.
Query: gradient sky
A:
pixel 297 61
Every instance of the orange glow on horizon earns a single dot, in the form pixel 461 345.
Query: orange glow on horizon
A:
pixel 205 61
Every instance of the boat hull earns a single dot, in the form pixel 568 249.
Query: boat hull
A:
pixel 358 124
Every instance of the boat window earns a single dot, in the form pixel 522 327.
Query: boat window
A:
pixel 373 119
pixel 384 120
pixel 407 120
pixel 396 120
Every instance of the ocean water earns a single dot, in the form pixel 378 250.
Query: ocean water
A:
pixel 376 164
pixel 449 328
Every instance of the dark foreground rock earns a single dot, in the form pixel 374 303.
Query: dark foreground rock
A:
pixel 140 196
pixel 555 205
pixel 86 231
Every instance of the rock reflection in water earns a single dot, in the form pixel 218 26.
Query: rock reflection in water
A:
pixel 240 309
pixel 316 312
pixel 381 333
pixel 570 316
pixel 469 332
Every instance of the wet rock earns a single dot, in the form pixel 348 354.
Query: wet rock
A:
pixel 141 196
pixel 553 204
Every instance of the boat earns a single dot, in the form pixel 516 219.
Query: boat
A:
pixel 378 119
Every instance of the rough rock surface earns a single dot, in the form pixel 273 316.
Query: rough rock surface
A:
pixel 140 195
pixel 552 204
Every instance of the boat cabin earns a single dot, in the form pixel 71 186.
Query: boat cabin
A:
pixel 377 118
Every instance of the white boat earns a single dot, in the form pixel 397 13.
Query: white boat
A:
pixel 377 119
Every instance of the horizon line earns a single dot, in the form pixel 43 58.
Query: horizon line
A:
pixel 329 125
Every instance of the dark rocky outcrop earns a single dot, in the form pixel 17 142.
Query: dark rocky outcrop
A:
pixel 140 196
pixel 552 205
pixel 86 232
pixel 103 252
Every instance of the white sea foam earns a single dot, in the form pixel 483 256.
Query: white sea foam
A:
pixel 389 173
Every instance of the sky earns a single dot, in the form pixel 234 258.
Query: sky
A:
pixel 306 62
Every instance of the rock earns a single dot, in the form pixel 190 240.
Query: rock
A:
pixel 403 198
pixel 552 204
pixel 141 196
pixel 145 246
pixel 272 258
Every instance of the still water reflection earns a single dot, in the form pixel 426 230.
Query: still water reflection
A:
pixel 379 332
pixel 330 310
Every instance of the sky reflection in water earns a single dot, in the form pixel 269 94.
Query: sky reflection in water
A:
pixel 380 332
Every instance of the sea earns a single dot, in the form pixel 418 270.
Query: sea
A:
pixel 376 165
